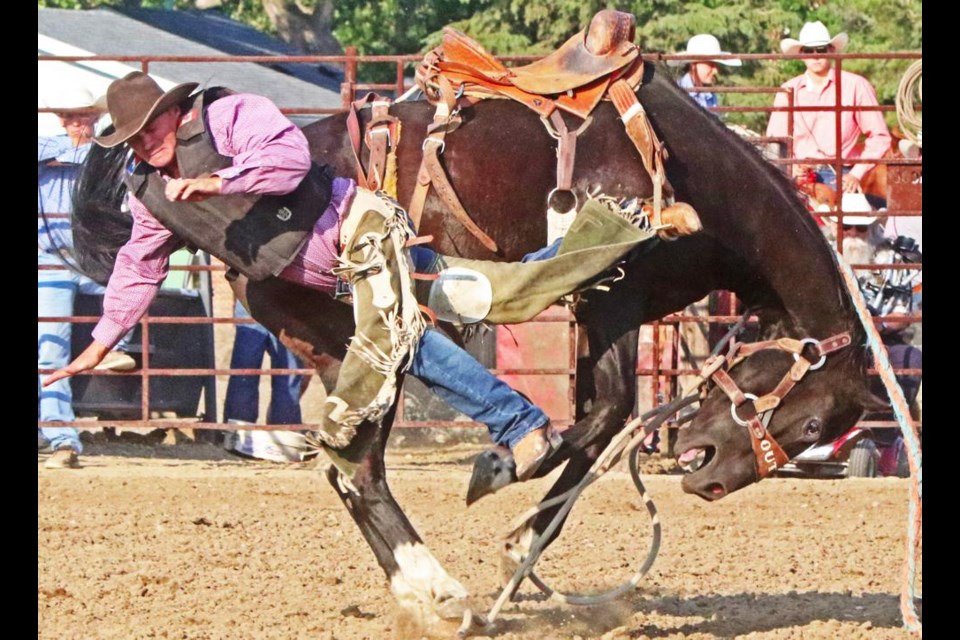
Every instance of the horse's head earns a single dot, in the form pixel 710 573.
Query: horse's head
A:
pixel 822 405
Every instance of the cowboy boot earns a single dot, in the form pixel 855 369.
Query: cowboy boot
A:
pixel 678 219
pixel 531 451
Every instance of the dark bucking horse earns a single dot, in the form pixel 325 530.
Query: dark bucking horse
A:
pixel 758 241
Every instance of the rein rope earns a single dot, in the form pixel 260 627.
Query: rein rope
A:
pixel 769 455
pixel 908 610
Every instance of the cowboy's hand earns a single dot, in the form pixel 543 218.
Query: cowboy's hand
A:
pixel 193 189
pixel 87 360
pixel 851 184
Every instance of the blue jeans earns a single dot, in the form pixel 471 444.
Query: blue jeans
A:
pixel 243 392
pixel 56 292
pixel 466 385
pixel 544 253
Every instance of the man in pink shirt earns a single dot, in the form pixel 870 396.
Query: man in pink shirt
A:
pixel 230 174
pixel 814 132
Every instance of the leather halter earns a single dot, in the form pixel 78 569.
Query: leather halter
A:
pixel 769 455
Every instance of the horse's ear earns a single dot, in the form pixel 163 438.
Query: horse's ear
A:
pixel 873 403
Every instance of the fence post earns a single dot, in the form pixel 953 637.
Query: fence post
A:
pixel 349 86
pixel 400 80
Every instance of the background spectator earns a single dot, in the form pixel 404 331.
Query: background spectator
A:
pixel 58 164
pixel 814 132
pixel 703 73
pixel 243 391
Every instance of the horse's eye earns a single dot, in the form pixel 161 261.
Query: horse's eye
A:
pixel 813 429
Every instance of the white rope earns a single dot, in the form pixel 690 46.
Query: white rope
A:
pixel 908 428
pixel 911 122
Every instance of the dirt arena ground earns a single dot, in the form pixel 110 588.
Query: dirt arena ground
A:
pixel 187 541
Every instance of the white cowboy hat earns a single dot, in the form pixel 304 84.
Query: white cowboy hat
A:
pixel 851 203
pixel 704 44
pixel 69 99
pixel 814 34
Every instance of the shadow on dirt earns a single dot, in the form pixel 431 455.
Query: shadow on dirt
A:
pixel 651 616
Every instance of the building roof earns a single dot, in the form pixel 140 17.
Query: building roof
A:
pixel 195 33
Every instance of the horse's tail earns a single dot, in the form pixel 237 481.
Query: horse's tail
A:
pixel 100 224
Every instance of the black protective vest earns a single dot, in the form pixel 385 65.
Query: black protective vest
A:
pixel 255 235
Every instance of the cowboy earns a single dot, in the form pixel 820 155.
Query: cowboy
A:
pixel 814 132
pixel 703 72
pixel 228 173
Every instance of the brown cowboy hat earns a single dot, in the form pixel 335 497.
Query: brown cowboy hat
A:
pixel 133 101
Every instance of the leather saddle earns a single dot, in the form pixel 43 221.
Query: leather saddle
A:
pixel 574 78
pixel 600 62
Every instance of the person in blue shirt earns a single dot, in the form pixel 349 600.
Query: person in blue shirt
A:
pixel 58 165
pixel 703 73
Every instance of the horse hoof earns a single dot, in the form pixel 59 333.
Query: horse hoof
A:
pixel 451 608
pixel 492 470
pixel 437 617
pixel 514 550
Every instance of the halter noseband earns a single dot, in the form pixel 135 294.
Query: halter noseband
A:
pixel 770 456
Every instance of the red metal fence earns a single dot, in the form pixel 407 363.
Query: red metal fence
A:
pixel 664 357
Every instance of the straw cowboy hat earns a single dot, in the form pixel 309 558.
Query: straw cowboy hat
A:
pixel 814 34
pixel 704 44
pixel 133 101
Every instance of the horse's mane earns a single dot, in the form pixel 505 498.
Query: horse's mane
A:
pixel 747 149
pixel 798 216
pixel 100 224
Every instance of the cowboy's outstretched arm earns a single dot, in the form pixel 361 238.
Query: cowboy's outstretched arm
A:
pixel 87 360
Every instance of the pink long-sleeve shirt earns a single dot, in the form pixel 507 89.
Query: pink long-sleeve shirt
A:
pixel 814 132
pixel 270 157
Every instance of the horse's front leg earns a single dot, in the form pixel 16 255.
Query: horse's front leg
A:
pixel 611 398
pixel 425 592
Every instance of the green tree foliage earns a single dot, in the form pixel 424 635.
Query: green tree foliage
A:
pixel 389 27
pixel 522 27
pixel 93 4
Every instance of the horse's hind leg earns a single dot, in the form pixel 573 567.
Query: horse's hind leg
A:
pixel 423 589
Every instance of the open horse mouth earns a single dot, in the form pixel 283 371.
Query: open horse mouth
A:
pixel 697 461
